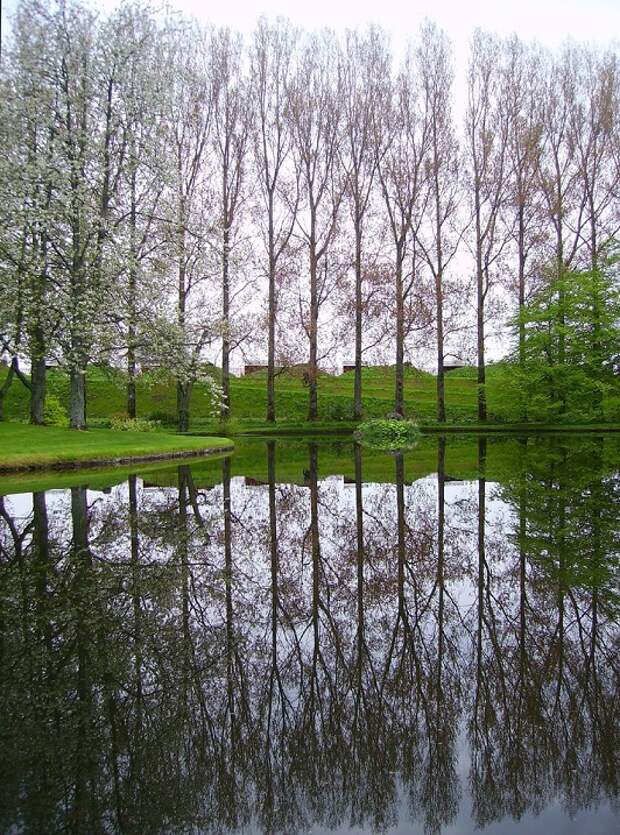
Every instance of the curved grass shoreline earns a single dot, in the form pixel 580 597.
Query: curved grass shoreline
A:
pixel 24 447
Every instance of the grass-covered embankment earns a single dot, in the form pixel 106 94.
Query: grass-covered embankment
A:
pixel 24 447
pixel 156 400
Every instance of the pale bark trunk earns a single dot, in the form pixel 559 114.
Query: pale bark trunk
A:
pixel 357 383
pixel 77 409
pixel 271 334
pixel 225 410
pixel 399 401
pixel 313 411
pixel 132 305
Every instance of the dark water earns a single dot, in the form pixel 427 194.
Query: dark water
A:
pixel 316 638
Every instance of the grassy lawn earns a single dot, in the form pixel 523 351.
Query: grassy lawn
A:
pixel 23 446
pixel 156 399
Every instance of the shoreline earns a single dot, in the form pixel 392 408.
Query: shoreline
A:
pixel 89 463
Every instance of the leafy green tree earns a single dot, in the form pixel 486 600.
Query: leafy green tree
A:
pixel 572 345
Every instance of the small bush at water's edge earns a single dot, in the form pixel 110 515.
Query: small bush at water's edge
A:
pixel 388 434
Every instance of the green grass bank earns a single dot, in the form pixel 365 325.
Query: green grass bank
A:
pixel 156 400
pixel 24 447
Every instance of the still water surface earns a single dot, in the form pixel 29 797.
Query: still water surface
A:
pixel 309 637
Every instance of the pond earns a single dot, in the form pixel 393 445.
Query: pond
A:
pixel 315 637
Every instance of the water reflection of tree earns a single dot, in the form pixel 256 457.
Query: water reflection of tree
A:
pixel 299 654
pixel 540 728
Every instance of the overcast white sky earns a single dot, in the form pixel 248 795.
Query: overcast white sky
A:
pixel 550 21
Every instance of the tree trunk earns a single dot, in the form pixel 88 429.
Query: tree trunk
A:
pixel 357 384
pixel 184 391
pixel 271 315
pixel 480 276
pixel 225 410
pixel 441 397
pixel 482 399
pixel 37 388
pixel 132 305
pixel 131 382
pixel 313 411
pixel 399 402
pixel 77 408
pixel 521 222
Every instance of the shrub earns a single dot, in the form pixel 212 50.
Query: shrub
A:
pixel 388 434
pixel 123 424
pixel 54 413
pixel 337 409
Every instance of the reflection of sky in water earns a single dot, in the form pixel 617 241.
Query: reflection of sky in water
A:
pixel 110 540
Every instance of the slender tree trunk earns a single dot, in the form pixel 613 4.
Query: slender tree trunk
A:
pixel 38 371
pixel 183 384
pixel 441 397
pixel 521 257
pixel 184 393
pixel 38 381
pixel 225 410
pixel 131 374
pixel 357 383
pixel 132 305
pixel 597 304
pixel 271 316
pixel 399 397
pixel 77 408
pixel 482 403
pixel 313 411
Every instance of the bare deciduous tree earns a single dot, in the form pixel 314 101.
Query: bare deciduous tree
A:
pixel 487 128
pixel 315 120
pixel 277 176
pixel 188 124
pixel 364 83
pixel 231 130
pixel 439 239
pixel 402 177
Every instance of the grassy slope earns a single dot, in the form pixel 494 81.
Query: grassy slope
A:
pixel 24 446
pixel 106 396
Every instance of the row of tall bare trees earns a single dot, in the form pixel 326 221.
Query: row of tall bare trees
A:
pixel 166 186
